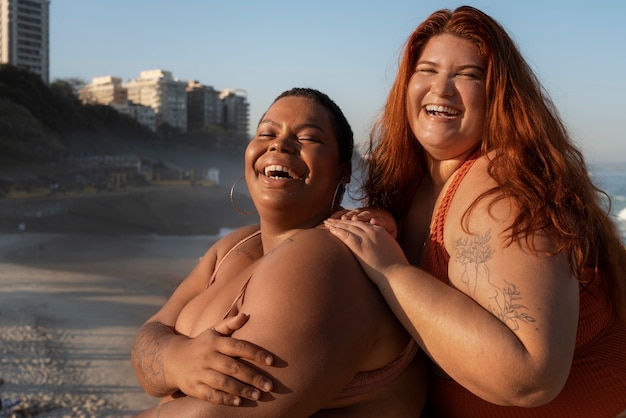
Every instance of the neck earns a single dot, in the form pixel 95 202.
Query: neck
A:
pixel 441 170
pixel 276 231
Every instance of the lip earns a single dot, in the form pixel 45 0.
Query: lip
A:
pixel 442 111
pixel 285 171
pixel 278 171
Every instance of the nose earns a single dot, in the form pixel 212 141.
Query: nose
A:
pixel 284 143
pixel 442 85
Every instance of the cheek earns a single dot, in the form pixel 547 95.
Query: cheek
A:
pixel 414 97
pixel 476 108
pixel 328 166
pixel 251 154
pixel 411 94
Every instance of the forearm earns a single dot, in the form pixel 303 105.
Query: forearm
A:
pixel 147 356
pixel 470 344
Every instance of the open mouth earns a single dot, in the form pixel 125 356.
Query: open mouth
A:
pixel 280 172
pixel 441 111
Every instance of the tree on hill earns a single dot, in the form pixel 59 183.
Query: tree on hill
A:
pixel 45 123
pixel 41 123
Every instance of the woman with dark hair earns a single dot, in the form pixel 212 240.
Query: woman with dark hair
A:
pixel 337 349
pixel 507 269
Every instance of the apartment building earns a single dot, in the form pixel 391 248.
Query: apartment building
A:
pixel 110 91
pixel 204 106
pixel 156 97
pixel 105 90
pixel 163 93
pixel 236 111
pixel 144 115
pixel 24 35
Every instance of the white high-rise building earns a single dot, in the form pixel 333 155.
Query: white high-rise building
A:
pixel 104 90
pixel 163 93
pixel 25 35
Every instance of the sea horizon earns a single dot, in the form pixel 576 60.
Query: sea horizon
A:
pixel 611 178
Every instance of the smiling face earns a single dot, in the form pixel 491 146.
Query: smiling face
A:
pixel 292 163
pixel 446 100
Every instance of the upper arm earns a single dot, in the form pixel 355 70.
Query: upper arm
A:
pixel 311 306
pixel 533 294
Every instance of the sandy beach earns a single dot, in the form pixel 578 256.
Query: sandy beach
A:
pixel 70 304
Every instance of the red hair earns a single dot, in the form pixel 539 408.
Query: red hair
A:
pixel 535 162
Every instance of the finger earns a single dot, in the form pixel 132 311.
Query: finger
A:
pixel 343 232
pixel 237 380
pixel 350 226
pixel 219 397
pixel 362 215
pixel 232 347
pixel 232 324
pixel 339 213
pixel 349 214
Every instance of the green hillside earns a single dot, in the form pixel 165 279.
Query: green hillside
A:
pixel 40 123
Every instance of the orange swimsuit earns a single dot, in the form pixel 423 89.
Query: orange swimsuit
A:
pixel 363 382
pixel 596 387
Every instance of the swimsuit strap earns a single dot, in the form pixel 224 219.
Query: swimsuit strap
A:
pixel 219 264
pixel 435 257
pixel 240 295
pixel 436 232
pixel 368 381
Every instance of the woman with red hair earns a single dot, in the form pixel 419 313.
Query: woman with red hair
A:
pixel 507 270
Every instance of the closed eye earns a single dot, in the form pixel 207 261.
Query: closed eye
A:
pixel 472 76
pixel 426 70
pixel 265 134
pixel 308 139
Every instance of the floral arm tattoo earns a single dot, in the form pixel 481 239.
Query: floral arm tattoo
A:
pixel 473 253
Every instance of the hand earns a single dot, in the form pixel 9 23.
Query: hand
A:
pixel 374 216
pixel 207 367
pixel 375 249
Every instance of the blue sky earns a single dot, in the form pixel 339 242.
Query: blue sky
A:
pixel 347 48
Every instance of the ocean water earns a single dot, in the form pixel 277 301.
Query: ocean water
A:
pixel 613 181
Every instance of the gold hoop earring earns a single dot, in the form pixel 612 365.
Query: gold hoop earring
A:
pixel 232 199
pixel 334 202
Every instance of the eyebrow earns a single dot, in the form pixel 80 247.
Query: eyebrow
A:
pixel 298 127
pixel 461 67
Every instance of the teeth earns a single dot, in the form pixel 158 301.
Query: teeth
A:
pixel 445 111
pixel 279 171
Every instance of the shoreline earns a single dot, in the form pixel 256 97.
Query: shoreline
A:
pixel 70 306
pixel 151 210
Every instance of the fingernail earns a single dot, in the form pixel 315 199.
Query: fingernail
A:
pixel 255 394
pixel 269 360
pixel 267 386
pixel 237 401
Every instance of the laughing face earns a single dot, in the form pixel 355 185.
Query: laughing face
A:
pixel 446 100
pixel 292 163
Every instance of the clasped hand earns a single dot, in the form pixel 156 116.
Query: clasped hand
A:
pixel 216 373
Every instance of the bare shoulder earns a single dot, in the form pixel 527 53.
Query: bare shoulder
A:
pixel 316 252
pixel 314 266
pixel 232 238
pixel 209 260
pixel 490 210
pixel 477 180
